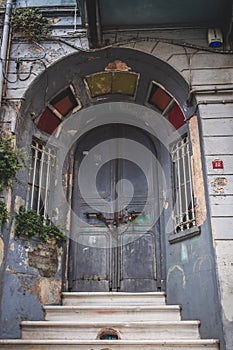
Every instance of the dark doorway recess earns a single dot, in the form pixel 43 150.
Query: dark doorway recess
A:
pixel 116 244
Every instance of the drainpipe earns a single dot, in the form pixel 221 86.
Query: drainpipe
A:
pixel 98 24
pixel 4 46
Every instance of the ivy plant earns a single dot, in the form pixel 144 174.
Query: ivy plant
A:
pixel 4 214
pixel 11 160
pixel 29 224
pixel 31 23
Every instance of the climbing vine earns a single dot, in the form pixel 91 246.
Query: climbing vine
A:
pixel 31 23
pixel 11 160
pixel 4 214
pixel 29 224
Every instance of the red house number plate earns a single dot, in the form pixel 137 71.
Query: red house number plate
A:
pixel 217 164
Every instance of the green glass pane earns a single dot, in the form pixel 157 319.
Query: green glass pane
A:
pixel 124 83
pixel 99 84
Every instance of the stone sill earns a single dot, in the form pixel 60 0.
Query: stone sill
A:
pixel 186 234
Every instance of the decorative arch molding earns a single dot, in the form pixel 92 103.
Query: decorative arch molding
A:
pixel 85 79
pixel 74 68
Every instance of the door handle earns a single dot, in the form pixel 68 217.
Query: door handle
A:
pixel 99 216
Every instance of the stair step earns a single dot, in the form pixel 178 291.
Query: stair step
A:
pixel 107 313
pixel 113 298
pixel 13 344
pixel 141 321
pixel 127 331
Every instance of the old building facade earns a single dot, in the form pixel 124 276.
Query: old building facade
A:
pixel 135 98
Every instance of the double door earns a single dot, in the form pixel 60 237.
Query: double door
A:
pixel 115 241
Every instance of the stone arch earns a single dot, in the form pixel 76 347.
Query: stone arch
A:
pixel 64 71
pixel 73 70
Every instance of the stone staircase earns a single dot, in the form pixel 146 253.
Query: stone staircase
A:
pixel 111 321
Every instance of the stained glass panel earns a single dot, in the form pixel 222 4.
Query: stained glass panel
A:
pixel 48 121
pixel 124 83
pixel 99 84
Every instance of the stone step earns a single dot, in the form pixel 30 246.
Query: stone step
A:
pixel 108 313
pixel 128 331
pixel 113 298
pixel 16 344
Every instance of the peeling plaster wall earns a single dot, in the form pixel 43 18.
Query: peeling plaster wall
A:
pixel 36 60
pixel 190 262
pixel 28 283
pixel 31 272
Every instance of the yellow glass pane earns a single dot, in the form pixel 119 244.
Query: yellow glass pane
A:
pixel 124 83
pixel 99 84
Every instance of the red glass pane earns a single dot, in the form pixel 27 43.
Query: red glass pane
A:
pixel 64 106
pixel 160 99
pixel 64 102
pixel 48 121
pixel 176 116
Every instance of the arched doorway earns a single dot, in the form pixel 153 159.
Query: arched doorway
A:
pixel 72 94
pixel 117 245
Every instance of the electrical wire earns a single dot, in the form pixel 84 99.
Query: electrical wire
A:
pixel 175 42
pixel 30 59
pixel 28 76
pixel 121 43
pixel 143 39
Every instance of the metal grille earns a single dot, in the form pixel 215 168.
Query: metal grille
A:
pixel 40 181
pixel 184 200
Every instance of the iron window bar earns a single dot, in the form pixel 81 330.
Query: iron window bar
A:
pixel 43 161
pixel 184 210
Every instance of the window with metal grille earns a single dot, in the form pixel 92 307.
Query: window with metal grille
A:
pixel 40 180
pixel 184 213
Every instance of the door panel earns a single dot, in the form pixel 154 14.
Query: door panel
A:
pixel 138 253
pixel 93 263
pixel 120 247
pixel 138 263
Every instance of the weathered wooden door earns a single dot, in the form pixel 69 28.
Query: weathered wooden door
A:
pixel 115 243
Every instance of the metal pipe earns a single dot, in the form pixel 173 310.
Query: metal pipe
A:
pixel 4 89
pixel 75 18
pixel 98 24
pixel 4 46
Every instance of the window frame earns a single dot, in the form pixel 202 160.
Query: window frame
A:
pixel 41 156
pixel 182 229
